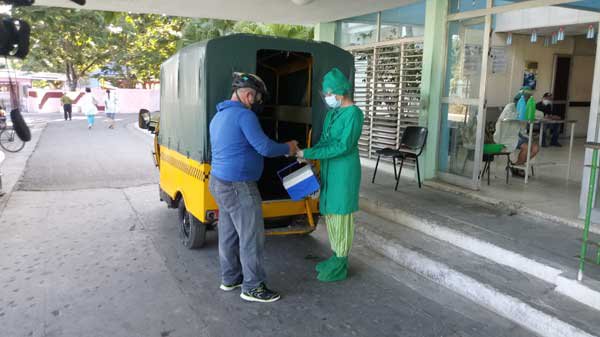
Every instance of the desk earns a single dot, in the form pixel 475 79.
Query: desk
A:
pixel 542 122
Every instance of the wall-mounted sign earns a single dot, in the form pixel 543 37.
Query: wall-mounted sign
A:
pixel 530 75
pixel 498 55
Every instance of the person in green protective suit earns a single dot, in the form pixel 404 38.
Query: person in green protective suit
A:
pixel 337 150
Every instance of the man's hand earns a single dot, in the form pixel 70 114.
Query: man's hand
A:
pixel 293 147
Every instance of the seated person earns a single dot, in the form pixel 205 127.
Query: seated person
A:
pixel 509 131
pixel 545 106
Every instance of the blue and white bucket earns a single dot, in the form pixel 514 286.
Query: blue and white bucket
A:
pixel 299 180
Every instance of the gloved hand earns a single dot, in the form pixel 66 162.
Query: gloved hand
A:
pixel 300 156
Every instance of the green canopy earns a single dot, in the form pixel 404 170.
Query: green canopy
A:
pixel 198 77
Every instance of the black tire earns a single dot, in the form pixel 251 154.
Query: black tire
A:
pixel 142 122
pixel 191 231
pixel 20 126
pixel 10 141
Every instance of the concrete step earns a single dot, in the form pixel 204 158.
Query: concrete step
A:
pixel 520 297
pixel 535 247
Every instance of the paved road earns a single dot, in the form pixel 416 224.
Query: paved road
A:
pixel 88 250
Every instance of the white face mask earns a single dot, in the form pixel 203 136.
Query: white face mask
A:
pixel 332 101
pixel 546 102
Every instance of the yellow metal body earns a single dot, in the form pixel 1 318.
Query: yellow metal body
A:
pixel 184 177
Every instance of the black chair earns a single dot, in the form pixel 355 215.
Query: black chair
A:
pixel 411 146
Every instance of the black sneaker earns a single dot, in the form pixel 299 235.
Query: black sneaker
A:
pixel 260 294
pixel 230 287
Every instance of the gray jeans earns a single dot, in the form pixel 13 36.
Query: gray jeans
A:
pixel 241 232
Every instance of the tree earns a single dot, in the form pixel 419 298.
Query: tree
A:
pixel 203 29
pixel 66 40
pixel 145 41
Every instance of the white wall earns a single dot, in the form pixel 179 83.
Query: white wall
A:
pixel 550 16
pixel 128 100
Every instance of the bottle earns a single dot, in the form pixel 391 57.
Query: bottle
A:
pixel 530 109
pixel 522 108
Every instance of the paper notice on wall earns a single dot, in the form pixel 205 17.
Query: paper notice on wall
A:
pixel 498 60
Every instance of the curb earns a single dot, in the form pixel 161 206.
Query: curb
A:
pixel 512 206
pixel 134 126
pixel 35 142
pixel 499 255
pixel 507 306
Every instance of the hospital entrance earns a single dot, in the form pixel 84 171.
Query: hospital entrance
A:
pixel 527 58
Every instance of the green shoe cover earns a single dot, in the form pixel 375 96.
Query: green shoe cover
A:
pixel 323 264
pixel 337 270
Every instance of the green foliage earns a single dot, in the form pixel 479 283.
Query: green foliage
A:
pixel 130 47
pixel 202 29
pixel 65 40
pixel 144 42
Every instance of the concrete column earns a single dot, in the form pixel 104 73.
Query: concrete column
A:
pixel 593 135
pixel 325 32
pixel 432 81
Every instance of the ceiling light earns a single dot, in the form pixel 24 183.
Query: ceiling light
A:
pixel 591 32
pixel 561 34
pixel 302 2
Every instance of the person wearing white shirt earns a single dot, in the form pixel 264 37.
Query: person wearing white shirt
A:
pixel 89 107
pixel 110 107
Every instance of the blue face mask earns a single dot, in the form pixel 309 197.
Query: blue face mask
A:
pixel 332 101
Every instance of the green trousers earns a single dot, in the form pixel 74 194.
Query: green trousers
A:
pixel 341 232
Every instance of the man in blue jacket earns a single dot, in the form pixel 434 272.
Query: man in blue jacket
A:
pixel 238 146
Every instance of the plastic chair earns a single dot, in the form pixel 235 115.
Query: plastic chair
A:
pixel 411 146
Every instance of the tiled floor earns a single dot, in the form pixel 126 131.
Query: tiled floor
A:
pixel 549 190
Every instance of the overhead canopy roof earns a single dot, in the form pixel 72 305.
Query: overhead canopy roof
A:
pixel 269 11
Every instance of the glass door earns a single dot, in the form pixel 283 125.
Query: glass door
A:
pixel 463 102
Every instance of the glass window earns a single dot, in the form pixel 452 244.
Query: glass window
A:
pixel 460 114
pixel 499 3
pixel 589 5
pixel 464 58
pixel 357 31
pixel 459 6
pixel 403 22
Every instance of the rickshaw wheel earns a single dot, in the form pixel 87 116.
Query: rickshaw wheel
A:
pixel 191 231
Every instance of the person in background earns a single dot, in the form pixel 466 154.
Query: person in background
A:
pixel 337 151
pixel 110 108
pixel 89 107
pixel 511 133
pixel 67 103
pixel 238 146
pixel 545 106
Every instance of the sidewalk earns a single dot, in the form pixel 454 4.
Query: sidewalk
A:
pixel 13 166
pixel 514 264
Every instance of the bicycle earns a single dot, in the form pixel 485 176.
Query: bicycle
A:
pixel 9 141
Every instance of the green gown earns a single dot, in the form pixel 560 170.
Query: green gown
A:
pixel 337 151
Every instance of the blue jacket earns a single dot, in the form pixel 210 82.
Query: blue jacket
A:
pixel 238 144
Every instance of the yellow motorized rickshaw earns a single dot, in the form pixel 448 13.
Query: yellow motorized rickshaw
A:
pixel 198 77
